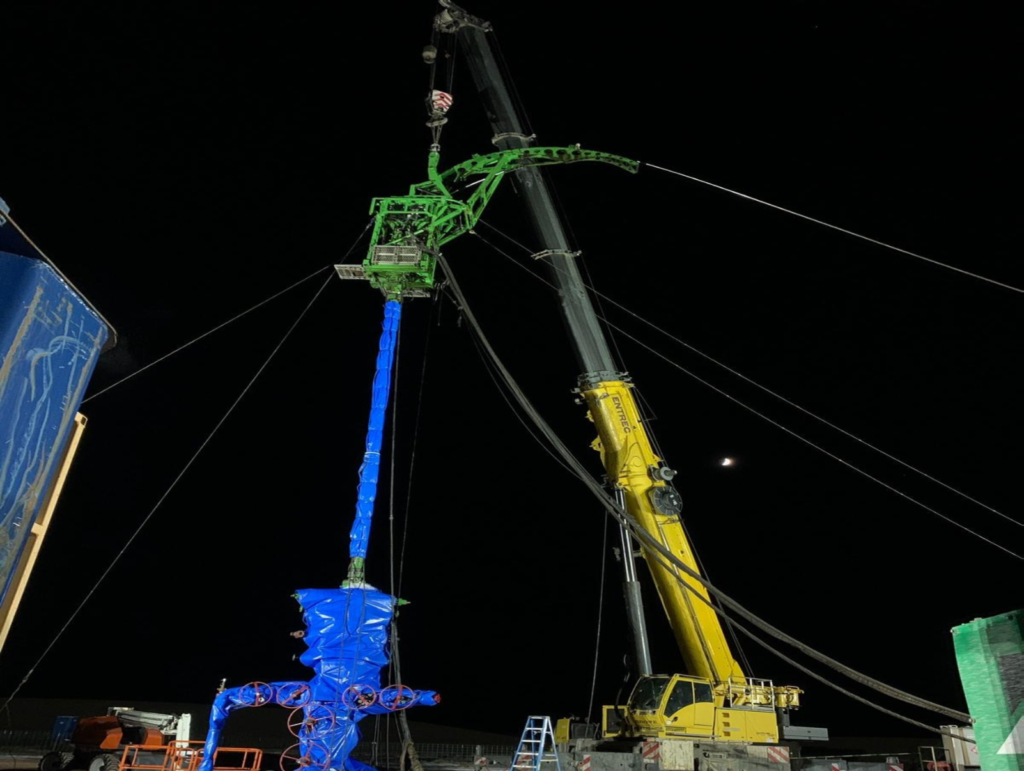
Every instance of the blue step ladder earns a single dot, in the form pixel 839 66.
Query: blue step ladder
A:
pixel 533 751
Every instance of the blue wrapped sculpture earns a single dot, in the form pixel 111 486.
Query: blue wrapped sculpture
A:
pixel 347 632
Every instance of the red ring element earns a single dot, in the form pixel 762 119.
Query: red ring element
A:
pixel 294 696
pixel 359 696
pixel 296 761
pixel 396 704
pixel 259 699
pixel 311 722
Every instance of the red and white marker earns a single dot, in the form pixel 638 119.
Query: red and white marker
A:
pixel 441 101
pixel 778 755
pixel 652 752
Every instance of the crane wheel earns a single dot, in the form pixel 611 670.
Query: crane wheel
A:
pixel 52 761
pixel 104 762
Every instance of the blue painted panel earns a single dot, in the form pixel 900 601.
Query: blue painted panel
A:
pixel 64 728
pixel 50 340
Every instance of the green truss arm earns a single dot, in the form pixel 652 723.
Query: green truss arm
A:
pixel 506 160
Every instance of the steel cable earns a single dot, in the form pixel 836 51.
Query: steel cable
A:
pixel 224 324
pixel 642 535
pixel 600 613
pixel 907 252
pixel 754 383
pixel 778 425
pixel 163 497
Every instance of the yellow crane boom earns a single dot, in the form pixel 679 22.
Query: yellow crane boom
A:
pixel 633 467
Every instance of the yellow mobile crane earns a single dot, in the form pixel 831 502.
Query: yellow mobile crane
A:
pixel 716 700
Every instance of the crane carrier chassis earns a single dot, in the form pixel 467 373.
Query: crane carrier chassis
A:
pixel 662 755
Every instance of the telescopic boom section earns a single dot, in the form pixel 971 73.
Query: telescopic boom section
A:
pixel 633 467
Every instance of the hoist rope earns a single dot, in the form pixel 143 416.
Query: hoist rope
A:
pixel 875 241
pixel 391 475
pixel 507 77
pixel 395 661
pixel 451 69
pixel 415 444
pixel 433 65
pixel 775 423
pixel 229 321
pixel 654 545
pixel 167 492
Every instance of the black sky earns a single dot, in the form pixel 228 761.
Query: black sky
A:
pixel 183 162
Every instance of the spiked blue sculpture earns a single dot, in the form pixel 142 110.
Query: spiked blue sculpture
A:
pixel 347 630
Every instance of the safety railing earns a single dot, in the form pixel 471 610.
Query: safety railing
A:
pixel 20 740
pixel 186 756
pixel 751 692
pixel 388 754
pixel 142 757
pixel 237 759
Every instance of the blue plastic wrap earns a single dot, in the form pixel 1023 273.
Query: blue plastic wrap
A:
pixel 368 472
pixel 50 340
pixel 347 636
pixel 348 630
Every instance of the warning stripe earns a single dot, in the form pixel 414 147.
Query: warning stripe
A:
pixel 895 767
pixel 652 751
pixel 836 767
pixel 778 754
pixel 584 764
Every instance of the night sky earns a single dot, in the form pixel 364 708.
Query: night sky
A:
pixel 181 163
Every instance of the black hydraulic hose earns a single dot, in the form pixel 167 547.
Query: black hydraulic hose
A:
pixel 654 545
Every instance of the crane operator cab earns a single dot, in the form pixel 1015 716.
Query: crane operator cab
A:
pixel 667 706
pixel 672 706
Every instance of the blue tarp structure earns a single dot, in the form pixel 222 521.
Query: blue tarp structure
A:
pixel 366 493
pixel 347 638
pixel 50 341
pixel 347 630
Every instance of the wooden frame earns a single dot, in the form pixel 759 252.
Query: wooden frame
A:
pixel 35 539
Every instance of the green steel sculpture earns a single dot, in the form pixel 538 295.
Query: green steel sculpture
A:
pixel 410 230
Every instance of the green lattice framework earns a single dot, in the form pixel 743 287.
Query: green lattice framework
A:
pixel 410 230
pixel 990 655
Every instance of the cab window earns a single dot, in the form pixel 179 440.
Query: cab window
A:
pixel 648 693
pixel 681 696
pixel 702 692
